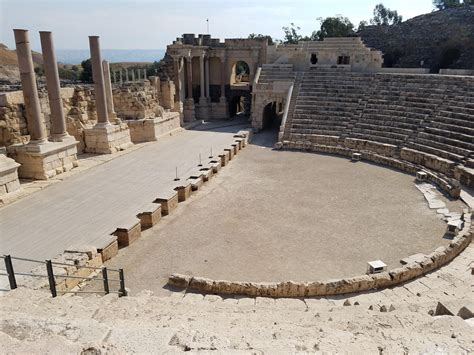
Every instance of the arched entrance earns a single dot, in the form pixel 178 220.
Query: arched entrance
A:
pixel 239 103
pixel 240 73
pixel 272 116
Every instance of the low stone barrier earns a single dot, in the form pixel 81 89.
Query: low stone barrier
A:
pixel 168 202
pixel 150 215
pixel 436 259
pixel 184 191
pixel 446 184
pixel 128 232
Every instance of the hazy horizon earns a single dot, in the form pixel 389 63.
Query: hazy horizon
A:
pixel 153 24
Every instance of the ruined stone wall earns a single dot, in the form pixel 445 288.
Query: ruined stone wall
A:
pixel 137 101
pixel 426 38
pixel 132 101
pixel 79 108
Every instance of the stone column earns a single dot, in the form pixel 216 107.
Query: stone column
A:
pixel 176 78
pixel 223 78
pixel 120 76
pixel 133 75
pixel 115 77
pixel 108 89
pixel 58 121
pixel 126 75
pixel 36 126
pixel 144 74
pixel 189 61
pixel 99 87
pixel 207 85
pixel 201 77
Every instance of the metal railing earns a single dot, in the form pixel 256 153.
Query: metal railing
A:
pixel 10 272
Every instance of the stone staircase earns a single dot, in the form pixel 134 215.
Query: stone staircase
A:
pixel 276 72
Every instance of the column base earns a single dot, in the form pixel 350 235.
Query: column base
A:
pixel 203 109
pixel 8 175
pixel 43 161
pixel 107 139
pixel 150 129
pixel 189 110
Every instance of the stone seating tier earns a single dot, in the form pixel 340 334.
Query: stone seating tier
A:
pixel 428 113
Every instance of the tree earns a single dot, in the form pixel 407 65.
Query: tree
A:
pixel 262 37
pixel 362 24
pixel 337 26
pixel 448 4
pixel 86 75
pixel 291 34
pixel 383 16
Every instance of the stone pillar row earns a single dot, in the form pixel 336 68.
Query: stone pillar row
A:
pixel 99 85
pixel 58 120
pixel 36 126
pixel 204 68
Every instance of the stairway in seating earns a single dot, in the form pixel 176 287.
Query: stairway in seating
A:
pixel 291 108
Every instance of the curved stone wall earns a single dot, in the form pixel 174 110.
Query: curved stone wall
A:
pixel 437 258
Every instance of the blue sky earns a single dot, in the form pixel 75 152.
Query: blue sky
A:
pixel 152 24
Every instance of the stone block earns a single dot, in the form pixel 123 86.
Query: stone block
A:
pixel 196 181
pixel 128 232
pixel 462 308
pixel 230 151
pixel 150 215
pixel 215 165
pixel 109 250
pixel 90 250
pixel 183 190
pixel 168 202
pixel 206 173
pixel 224 158
pixel 44 161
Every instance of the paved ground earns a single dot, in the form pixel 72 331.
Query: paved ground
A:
pixel 89 205
pixel 278 215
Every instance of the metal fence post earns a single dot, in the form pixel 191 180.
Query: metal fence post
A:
pixel 123 291
pixel 52 283
pixel 10 272
pixel 106 280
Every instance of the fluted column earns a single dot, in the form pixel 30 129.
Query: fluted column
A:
pixel 36 126
pixel 108 89
pixel 201 77
pixel 99 87
pixel 58 120
pixel 208 91
pixel 223 78
pixel 189 61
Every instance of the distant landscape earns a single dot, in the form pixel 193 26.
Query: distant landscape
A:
pixel 76 56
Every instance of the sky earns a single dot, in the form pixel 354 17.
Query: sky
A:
pixel 152 24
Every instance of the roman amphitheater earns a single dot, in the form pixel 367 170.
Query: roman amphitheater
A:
pixel 251 198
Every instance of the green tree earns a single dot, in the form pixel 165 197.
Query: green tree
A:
pixel 261 37
pixel 362 24
pixel 448 4
pixel 86 75
pixel 337 26
pixel 383 16
pixel 291 34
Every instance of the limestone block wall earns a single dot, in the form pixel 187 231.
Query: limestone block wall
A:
pixel 132 101
pixel 79 108
pixel 137 101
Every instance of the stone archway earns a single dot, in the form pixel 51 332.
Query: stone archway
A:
pixel 240 73
pixel 272 115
